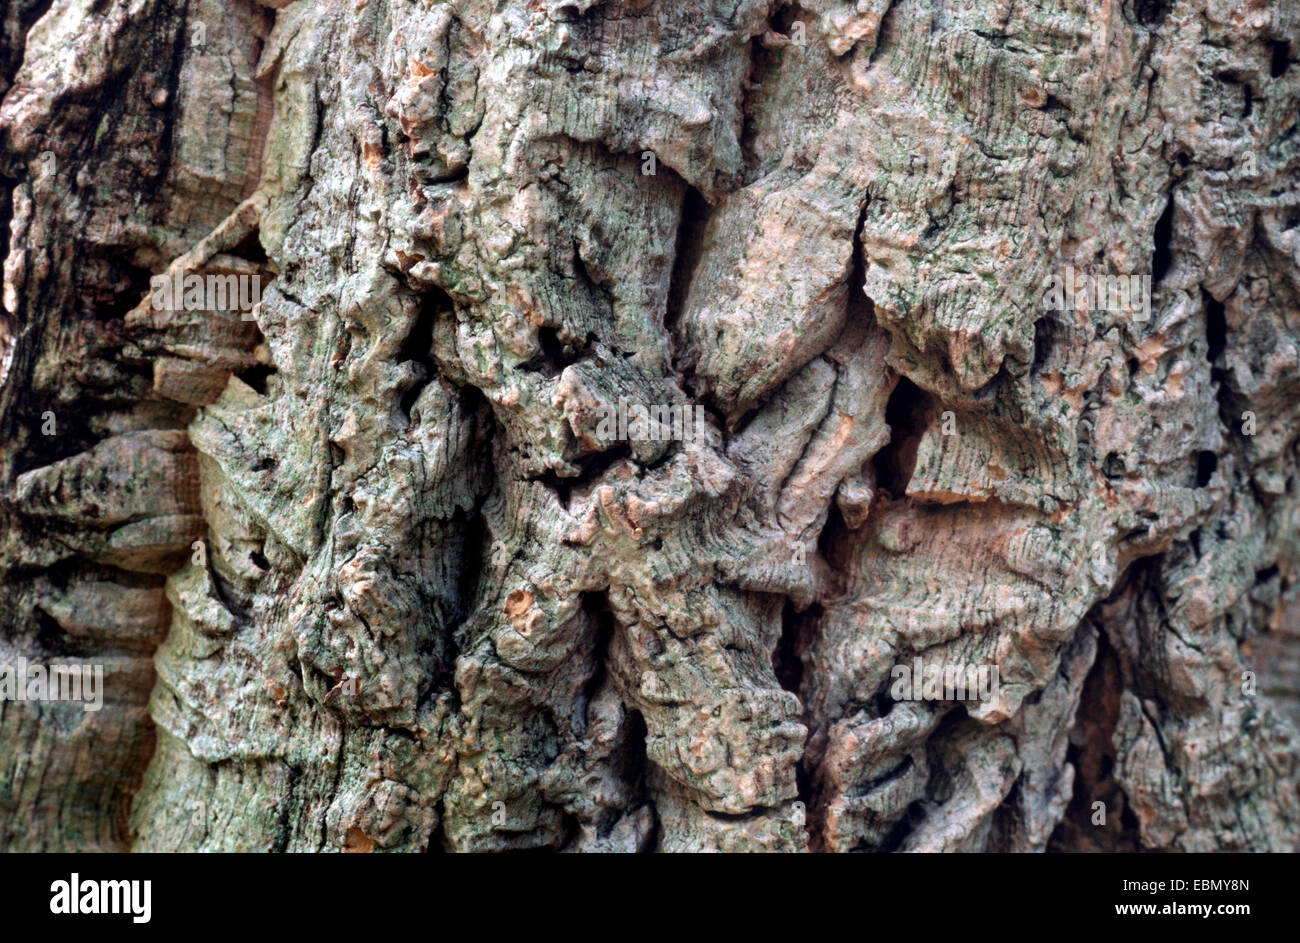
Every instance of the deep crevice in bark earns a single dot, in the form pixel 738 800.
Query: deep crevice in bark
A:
pixel 694 217
pixel 1163 257
pixel 906 414
pixel 1092 754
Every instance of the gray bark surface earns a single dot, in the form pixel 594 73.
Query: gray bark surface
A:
pixel 365 570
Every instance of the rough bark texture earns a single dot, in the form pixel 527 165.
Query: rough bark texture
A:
pixel 365 573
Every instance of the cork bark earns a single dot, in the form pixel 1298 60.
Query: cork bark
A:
pixel 367 571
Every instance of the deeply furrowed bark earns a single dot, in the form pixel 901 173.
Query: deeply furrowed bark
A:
pixel 365 568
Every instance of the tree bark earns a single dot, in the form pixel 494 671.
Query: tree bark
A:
pixel 368 566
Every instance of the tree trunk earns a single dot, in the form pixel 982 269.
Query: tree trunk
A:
pixel 614 426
